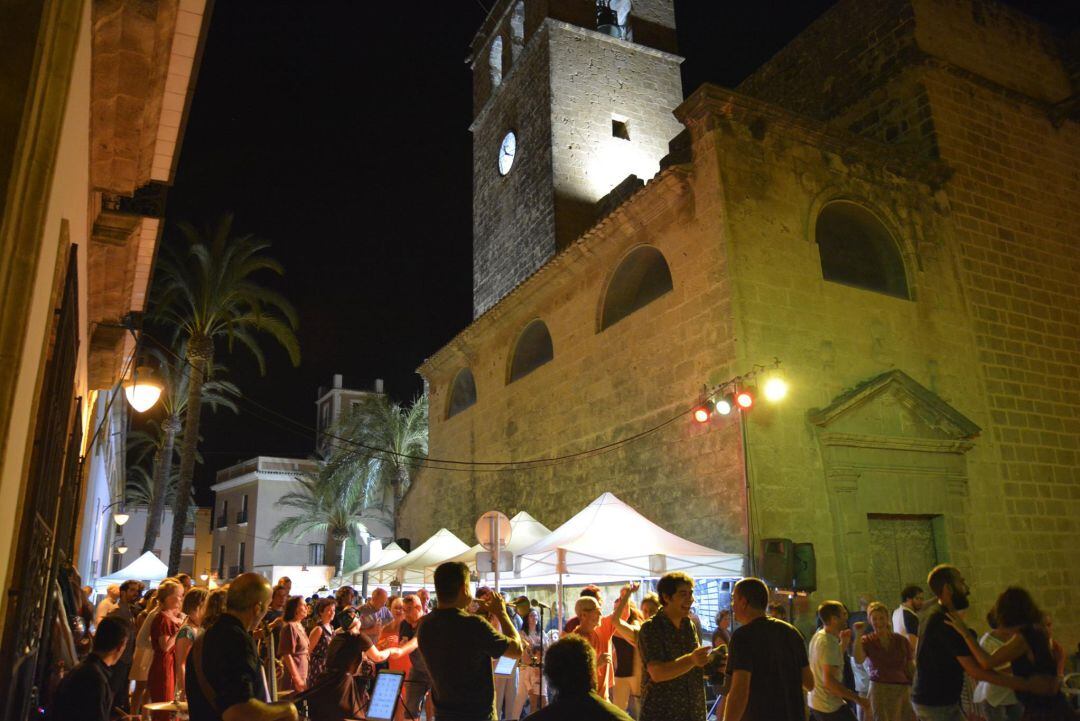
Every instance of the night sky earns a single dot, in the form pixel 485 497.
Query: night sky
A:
pixel 339 132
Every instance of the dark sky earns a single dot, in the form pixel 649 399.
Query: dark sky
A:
pixel 339 132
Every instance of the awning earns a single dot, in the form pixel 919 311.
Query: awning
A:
pixel 418 566
pixel 146 567
pixel 608 540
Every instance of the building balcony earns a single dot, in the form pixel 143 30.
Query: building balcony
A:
pixel 241 517
pixel 222 521
pixel 235 571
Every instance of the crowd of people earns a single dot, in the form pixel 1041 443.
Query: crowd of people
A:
pixel 232 652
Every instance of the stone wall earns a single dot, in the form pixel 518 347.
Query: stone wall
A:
pixel 600 388
pixel 1015 199
pixel 513 215
pixel 559 94
pixel 976 86
pixel 596 79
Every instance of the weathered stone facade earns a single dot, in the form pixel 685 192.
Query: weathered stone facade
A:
pixel 561 88
pixel 949 417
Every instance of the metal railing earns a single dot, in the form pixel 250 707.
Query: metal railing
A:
pixel 241 517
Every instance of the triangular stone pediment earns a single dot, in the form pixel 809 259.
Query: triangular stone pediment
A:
pixel 893 405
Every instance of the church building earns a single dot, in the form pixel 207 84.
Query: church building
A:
pixel 886 213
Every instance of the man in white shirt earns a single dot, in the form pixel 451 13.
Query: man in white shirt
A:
pixel 905 619
pixel 108 604
pixel 827 699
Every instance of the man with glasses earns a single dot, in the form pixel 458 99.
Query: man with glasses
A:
pixel 225 676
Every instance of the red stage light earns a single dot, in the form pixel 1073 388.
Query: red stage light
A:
pixel 744 399
pixel 703 412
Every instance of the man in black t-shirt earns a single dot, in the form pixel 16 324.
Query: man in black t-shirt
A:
pixel 86 692
pixel 767 661
pixel 943 657
pixel 458 647
pixel 223 670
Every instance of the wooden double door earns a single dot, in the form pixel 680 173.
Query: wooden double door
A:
pixel 902 552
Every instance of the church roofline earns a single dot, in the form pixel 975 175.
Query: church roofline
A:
pixel 672 180
pixel 710 103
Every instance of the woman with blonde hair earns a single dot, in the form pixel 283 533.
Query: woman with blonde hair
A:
pixel 891 664
pixel 161 679
pixel 195 609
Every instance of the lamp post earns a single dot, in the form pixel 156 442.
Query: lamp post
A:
pixel 119 517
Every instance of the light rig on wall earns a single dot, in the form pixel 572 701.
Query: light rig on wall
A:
pixel 741 392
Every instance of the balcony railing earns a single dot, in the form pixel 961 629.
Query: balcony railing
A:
pixel 235 571
pixel 223 521
pixel 241 516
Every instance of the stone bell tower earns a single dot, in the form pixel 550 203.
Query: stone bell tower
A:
pixel 570 98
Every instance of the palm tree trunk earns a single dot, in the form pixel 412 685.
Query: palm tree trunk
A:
pixel 341 561
pixel 162 468
pixel 400 483
pixel 200 351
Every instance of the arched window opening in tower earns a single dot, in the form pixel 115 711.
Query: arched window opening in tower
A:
pixel 495 62
pixel 462 393
pixel 857 249
pixel 517 31
pixel 533 350
pixel 641 278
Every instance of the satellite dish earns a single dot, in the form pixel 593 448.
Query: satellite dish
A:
pixel 493 529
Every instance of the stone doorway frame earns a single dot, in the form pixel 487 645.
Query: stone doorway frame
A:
pixel 919 473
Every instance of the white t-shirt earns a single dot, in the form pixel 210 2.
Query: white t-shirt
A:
pixel 905 621
pixel 988 692
pixel 104 608
pixel 825 650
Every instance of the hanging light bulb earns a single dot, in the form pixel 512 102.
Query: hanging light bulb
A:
pixel 121 547
pixel 725 404
pixel 775 389
pixel 120 517
pixel 744 399
pixel 143 390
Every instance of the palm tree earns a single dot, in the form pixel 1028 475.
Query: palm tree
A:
pixel 385 438
pixel 206 293
pixel 327 502
pixel 174 398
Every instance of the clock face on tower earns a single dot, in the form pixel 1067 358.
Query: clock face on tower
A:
pixel 507 150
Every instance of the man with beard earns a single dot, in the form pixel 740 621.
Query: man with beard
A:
pixel 943 657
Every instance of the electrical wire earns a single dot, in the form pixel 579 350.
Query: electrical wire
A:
pixel 268 415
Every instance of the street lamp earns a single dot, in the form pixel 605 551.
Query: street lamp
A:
pixel 121 547
pixel 120 516
pixel 143 390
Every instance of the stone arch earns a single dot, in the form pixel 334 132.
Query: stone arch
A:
pixel 857 248
pixel 517 30
pixel 641 277
pixel 462 393
pixel 532 350
pixel 495 61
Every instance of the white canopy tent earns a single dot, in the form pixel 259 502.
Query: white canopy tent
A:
pixel 146 567
pixel 391 553
pixel 524 532
pixel 609 539
pixel 418 566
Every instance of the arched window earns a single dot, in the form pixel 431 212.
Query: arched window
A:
pixel 517 30
pixel 462 393
pixel 641 278
pixel 857 249
pixel 495 62
pixel 533 350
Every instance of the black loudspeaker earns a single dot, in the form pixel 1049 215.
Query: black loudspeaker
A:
pixel 776 562
pixel 805 568
pixel 405 544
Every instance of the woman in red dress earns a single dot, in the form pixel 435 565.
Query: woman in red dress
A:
pixel 160 679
